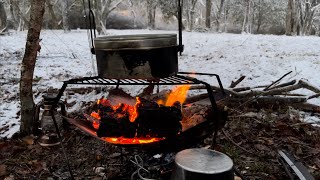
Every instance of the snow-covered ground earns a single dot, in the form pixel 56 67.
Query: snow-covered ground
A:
pixel 261 58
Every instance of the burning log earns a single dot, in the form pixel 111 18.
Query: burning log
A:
pixel 144 119
pixel 159 121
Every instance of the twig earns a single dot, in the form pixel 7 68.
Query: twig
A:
pixel 277 81
pixel 283 84
pixel 231 140
pixel 314 96
pixel 281 99
pixel 309 86
pixel 234 84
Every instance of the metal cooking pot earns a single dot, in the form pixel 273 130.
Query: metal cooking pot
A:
pixel 146 56
pixel 204 164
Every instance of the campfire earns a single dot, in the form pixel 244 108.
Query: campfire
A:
pixel 142 123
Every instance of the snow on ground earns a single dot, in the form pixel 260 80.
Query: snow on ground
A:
pixel 261 58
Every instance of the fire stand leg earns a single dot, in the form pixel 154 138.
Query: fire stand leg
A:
pixel 215 112
pixel 62 147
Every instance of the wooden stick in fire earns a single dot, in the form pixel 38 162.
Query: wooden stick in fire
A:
pixel 90 118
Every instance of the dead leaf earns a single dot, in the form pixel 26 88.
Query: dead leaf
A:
pixel 3 170
pixel 261 147
pixel 267 141
pixel 29 140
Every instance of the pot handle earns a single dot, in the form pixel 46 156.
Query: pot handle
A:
pixel 180 46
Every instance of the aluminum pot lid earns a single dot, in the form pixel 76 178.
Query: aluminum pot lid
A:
pixel 203 161
pixel 138 41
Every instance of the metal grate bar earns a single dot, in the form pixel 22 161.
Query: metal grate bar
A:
pixel 172 80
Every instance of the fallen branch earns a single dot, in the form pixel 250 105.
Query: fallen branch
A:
pixel 314 96
pixel 277 81
pixel 277 91
pixel 307 107
pixel 234 84
pixel 284 84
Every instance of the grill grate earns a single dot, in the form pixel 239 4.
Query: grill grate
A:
pixel 172 80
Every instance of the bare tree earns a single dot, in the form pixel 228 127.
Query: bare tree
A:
pixel 151 9
pixel 308 11
pixel 208 13
pixel 28 65
pixel 65 5
pixel 3 17
pixel 290 17
pixel 248 15
pixel 221 12
pixel 18 14
pixel 190 10
pixel 102 10
pixel 54 21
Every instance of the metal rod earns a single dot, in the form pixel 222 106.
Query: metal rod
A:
pixel 180 48
pixel 60 93
pixel 62 147
pixel 92 23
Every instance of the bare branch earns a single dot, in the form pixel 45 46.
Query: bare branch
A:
pixel 314 96
pixel 234 84
pixel 277 81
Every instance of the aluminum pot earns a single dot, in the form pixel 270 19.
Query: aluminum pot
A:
pixel 143 56
pixel 204 164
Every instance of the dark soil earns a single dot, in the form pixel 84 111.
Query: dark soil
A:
pixel 252 143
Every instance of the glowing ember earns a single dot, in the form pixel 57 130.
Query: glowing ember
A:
pixel 134 111
pixel 96 116
pixel 122 140
pixel 124 108
pixel 179 94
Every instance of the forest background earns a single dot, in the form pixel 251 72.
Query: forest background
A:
pixel 290 17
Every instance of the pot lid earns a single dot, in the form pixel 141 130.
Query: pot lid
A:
pixel 203 161
pixel 138 41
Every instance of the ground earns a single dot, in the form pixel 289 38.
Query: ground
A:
pixel 252 143
pixel 250 140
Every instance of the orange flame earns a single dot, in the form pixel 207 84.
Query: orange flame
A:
pixel 179 93
pixel 122 140
pixel 134 111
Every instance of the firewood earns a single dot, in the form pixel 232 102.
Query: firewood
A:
pixel 153 120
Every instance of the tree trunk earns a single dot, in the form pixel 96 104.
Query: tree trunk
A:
pixel 28 65
pixel 151 8
pixel 18 17
pixel 54 21
pixel 65 15
pixel 259 18
pixel 219 15
pixel 208 13
pixel 98 15
pixel 289 18
pixel 295 17
pixel 14 15
pixel 3 17
pixel 225 15
pixel 190 11
pixel 247 20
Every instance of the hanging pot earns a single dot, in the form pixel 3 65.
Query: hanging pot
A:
pixel 143 56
